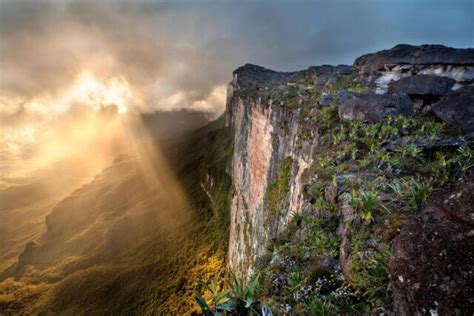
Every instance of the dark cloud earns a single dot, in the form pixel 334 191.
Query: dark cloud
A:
pixel 190 47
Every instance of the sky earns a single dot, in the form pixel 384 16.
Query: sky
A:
pixel 181 54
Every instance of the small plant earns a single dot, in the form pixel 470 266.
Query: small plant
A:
pixel 420 192
pixel 220 300
pixel 294 281
pixel 442 159
pixel 354 152
pixel 403 121
pixel 398 187
pixel 319 307
pixel 237 299
pixel 337 136
pixel 433 129
pixel 371 279
pixel 466 152
pixel 411 151
pixel 377 269
pixel 466 158
pixel 366 203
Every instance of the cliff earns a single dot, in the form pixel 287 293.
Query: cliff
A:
pixel 330 163
pixel 273 146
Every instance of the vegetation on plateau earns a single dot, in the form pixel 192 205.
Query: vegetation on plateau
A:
pixel 384 172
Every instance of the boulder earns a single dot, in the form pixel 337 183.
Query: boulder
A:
pixel 422 85
pixel 432 264
pixel 457 109
pixel 326 100
pixel 373 107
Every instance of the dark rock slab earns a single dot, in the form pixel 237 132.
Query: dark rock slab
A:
pixel 326 100
pixel 413 55
pixel 432 265
pixel 422 85
pixel 428 143
pixel 253 76
pixel 373 107
pixel 457 109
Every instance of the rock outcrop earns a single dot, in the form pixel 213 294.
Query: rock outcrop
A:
pixel 373 107
pixel 432 265
pixel 423 88
pixel 457 109
pixel 381 68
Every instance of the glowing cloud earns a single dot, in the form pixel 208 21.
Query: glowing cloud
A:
pixel 89 91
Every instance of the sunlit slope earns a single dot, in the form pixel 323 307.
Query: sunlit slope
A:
pixel 25 201
pixel 133 240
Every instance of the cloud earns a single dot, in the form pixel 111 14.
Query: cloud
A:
pixel 181 51
pixel 163 55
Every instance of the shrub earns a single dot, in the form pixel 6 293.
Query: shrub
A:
pixel 236 298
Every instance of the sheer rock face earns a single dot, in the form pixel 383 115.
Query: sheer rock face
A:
pixel 457 109
pixel 265 134
pixel 432 266
pixel 379 69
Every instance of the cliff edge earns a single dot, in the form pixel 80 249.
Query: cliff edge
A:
pixel 333 163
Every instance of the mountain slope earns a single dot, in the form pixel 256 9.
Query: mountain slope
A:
pixel 138 239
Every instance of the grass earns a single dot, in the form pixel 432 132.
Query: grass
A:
pixel 365 203
pixel 371 279
pixel 231 296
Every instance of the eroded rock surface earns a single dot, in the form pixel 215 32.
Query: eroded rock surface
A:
pixel 373 107
pixel 381 68
pixel 432 267
pixel 428 143
pixel 266 136
pixel 457 109
pixel 422 85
